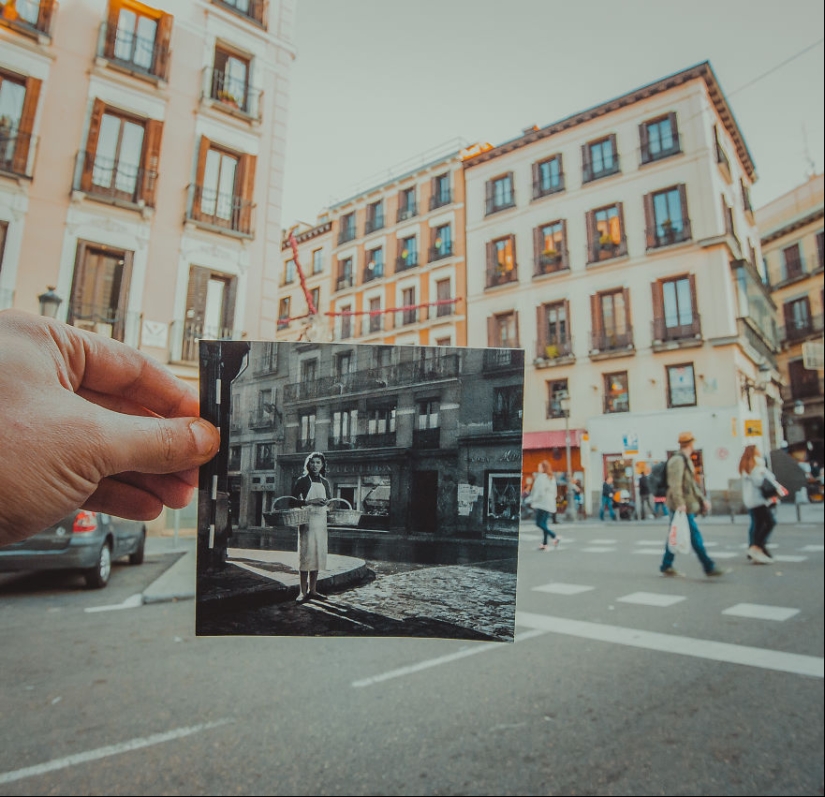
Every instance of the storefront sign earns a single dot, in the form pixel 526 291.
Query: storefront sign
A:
pixel 507 456
pixel 753 428
pixel 630 444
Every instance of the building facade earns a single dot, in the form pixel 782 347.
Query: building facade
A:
pixel 141 166
pixel 618 248
pixel 791 228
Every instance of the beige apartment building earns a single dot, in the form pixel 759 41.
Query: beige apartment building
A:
pixel 395 267
pixel 618 247
pixel 141 163
pixel 791 229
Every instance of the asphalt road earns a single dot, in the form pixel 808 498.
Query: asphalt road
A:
pixel 620 682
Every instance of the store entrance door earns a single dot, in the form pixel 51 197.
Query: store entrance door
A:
pixel 424 503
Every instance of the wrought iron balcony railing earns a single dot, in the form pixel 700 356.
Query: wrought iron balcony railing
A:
pixel 254 10
pixel 114 179
pixel 405 213
pixel 382 440
pixel 441 198
pixel 546 187
pixel 343 282
pixel 220 210
pixel 494 205
pixel 440 252
pixel 648 154
pixel 672 329
pixel 550 262
pixel 611 341
pixel 185 337
pixel 503 359
pixel 111 322
pixel 373 224
pixel 261 418
pixel 591 173
pixel 496 275
pixel 30 17
pixel 802 329
pixel 667 234
pixel 404 263
pixel 233 94
pixel 346 234
pixel 132 52
pixel 606 250
pixel 16 151
pixel 557 349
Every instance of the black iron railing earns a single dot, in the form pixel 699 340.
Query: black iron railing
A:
pixel 220 210
pixel 546 187
pixel 802 329
pixel 611 341
pixel 15 148
pixel 495 204
pixel 555 349
pixel 404 263
pixel 135 53
pixel 671 329
pixel 496 275
pixel 439 252
pixel 441 198
pixel 503 359
pixel 648 154
pixel 113 179
pixel 405 213
pixel 380 440
pixel 426 438
pixel 373 224
pixel 234 94
pixel 550 262
pixel 666 234
pixel 111 322
pixel 591 173
pixel 606 250
pixel 187 335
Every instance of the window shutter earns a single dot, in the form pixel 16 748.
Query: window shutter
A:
pixel 246 188
pixel 203 151
pixel 491 256
pixel 493 340
pixel 622 233
pixel 628 315
pixel 91 144
pixel 586 163
pixel 590 224
pixel 613 148
pixel 674 129
pixel 488 196
pixel 518 334
pixel 596 317
pixel 644 142
pixel 151 160
pixel 658 310
pixel 162 41
pixel 694 304
pixel 196 294
pixel 513 256
pixel 685 217
pixel 111 30
pixel 568 326
pixel 565 255
pixel 21 150
pixel 538 248
pixel 512 181
pixel 44 15
pixel 541 329
pixel 650 222
pixel 78 281
pixel 536 177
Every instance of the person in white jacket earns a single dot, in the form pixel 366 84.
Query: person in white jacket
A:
pixel 754 474
pixel 543 500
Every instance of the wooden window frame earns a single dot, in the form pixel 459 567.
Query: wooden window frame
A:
pixel 550 261
pixel 494 340
pixel 18 163
pixel 598 249
pixel 490 205
pixel 161 54
pixel 588 175
pixel 644 139
pixel 498 273
pixel 607 400
pixel 670 367
pixel 547 349
pixel 669 235
pixel 538 190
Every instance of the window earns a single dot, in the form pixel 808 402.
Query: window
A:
pixel 375 217
pixel 659 138
pixel 224 188
pixel 234 462
pixel 253 9
pixel 264 456
pixel 666 217
pixel 28 15
pixel 442 242
pixel 501 261
pixel 381 421
pixel 674 309
pixel 721 157
pixel 210 309
pixel 798 321
pixel 548 177
pixel 746 199
pixel 550 244
pixel 426 433
pixel 605 232
pixel 616 396
pixel 804 381
pixel 306 422
pixel 289 272
pixel 375 314
pixel 444 295
pixel 820 249
pixel 346 321
pixel 611 321
pixel 410 313
pixel 556 390
pixel 599 159
pixel 508 403
pixel 502 330
pixel 791 263
pixel 681 386
pixel 346 228
pixel 343 365
pixel 317 261
pixel 554 331
pixel 344 274
pixel 407 253
pixel 315 295
pixel 18 105
pixel 137 38
pixel 100 290
pixel 374 264
pixel 309 371
pixel 500 193
pixel 283 312
pixel 727 214
pixel 406 204
pixel 344 428
pixel 441 194
pixel 230 80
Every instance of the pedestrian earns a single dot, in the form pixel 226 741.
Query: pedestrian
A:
pixel 684 495
pixel 755 473
pixel 88 422
pixel 578 498
pixel 313 491
pixel 644 495
pixel 543 500
pixel 607 498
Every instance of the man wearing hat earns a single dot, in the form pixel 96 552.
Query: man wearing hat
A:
pixel 683 495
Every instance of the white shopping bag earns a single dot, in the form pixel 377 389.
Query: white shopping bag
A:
pixel 678 538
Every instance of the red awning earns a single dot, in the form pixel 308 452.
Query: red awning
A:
pixel 534 440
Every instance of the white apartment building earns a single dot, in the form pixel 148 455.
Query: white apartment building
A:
pixel 618 248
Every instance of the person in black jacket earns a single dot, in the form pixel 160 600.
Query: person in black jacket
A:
pixel 644 496
pixel 313 490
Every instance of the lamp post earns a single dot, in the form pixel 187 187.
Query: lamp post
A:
pixel 569 512
pixel 49 302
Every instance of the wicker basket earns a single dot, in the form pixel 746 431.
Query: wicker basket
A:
pixel 294 516
pixel 343 517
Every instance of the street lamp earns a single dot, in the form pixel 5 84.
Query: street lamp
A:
pixel 49 302
pixel 564 404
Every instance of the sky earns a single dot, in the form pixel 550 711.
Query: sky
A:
pixel 378 83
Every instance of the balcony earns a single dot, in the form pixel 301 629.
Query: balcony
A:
pixel 412 316
pixel 16 151
pixel 253 10
pixel 590 174
pixel 185 337
pixel 343 282
pixel 378 440
pixel 374 273
pixel 542 188
pixel 503 360
pixel 611 344
pixel 145 58
pixel 667 234
pixel 507 420
pixel 647 155
pixel 801 330
pixel 440 252
pixel 556 352
pixel 426 438
pixel 496 275
pixel 408 212
pixel 669 335
pixel 405 263
pixel 441 198
pixel 811 388
pixel 600 250
pixel 113 181
pixel 794 268
pixel 218 211
pixel 494 205
pixel 261 418
pixel 233 95
pixel 371 225
pixel 372 324
pixel 29 17
pixel 110 322
pixel 550 262
pixel 346 234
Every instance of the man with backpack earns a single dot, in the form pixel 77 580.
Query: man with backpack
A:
pixel 644 496
pixel 684 495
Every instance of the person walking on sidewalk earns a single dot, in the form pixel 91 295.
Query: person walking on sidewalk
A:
pixel 607 498
pixel 754 473
pixel 543 500
pixel 644 496
pixel 684 495
pixel 313 490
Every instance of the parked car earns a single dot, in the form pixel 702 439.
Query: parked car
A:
pixel 84 541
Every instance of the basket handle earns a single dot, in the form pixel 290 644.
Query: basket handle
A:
pixel 343 500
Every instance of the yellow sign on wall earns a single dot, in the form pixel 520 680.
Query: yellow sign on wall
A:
pixel 753 428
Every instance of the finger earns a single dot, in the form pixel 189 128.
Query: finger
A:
pixel 119 404
pixel 124 500
pixel 169 489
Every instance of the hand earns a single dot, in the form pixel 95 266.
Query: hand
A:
pixel 682 508
pixel 706 506
pixel 782 491
pixel 88 422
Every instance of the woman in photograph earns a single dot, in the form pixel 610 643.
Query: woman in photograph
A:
pixel 754 474
pixel 543 500
pixel 313 490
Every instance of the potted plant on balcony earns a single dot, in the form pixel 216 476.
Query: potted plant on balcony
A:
pixel 606 242
pixel 667 230
pixel 551 255
pixel 551 351
pixel 228 98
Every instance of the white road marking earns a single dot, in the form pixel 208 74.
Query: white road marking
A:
pixel 110 750
pixel 337 615
pixel 812 548
pixel 725 555
pixel 598 549
pixel 759 611
pixel 789 558
pixel 130 603
pixel 603 542
pixel 685 646
pixel 652 551
pixel 483 647
pixel 660 543
pixel 651 599
pixel 559 588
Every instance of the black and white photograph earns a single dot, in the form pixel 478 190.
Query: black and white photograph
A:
pixel 360 490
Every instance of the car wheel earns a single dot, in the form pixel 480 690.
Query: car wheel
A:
pixel 97 577
pixel 136 558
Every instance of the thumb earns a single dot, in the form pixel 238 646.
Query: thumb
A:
pixel 159 445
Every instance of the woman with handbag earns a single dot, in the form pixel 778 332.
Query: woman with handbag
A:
pixel 760 491
pixel 543 499
pixel 313 490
